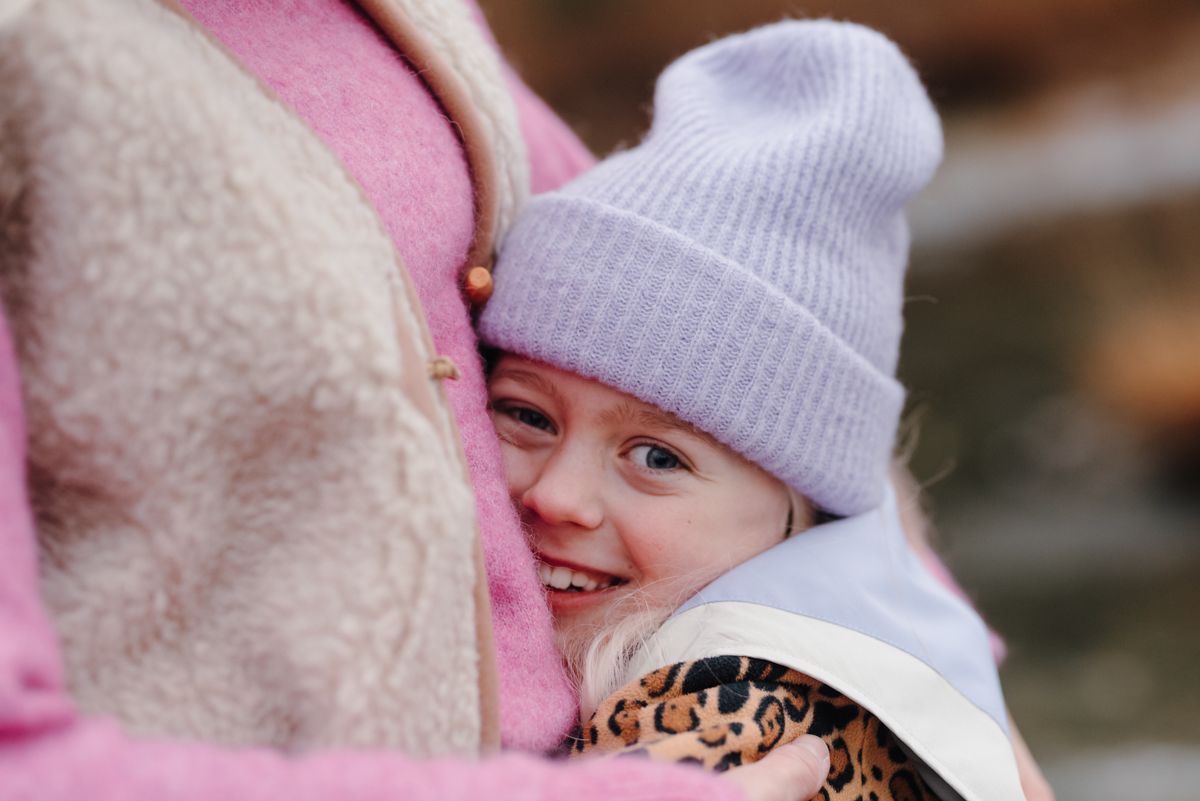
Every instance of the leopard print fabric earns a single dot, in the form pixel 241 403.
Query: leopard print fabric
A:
pixel 726 711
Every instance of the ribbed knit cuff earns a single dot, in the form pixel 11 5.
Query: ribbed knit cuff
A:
pixel 613 296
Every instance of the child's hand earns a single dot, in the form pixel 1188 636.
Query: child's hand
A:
pixel 792 772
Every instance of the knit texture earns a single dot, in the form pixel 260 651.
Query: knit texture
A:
pixel 743 266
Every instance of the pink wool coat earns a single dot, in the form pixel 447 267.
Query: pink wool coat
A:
pixel 96 727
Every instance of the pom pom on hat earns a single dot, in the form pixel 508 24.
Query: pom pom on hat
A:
pixel 743 266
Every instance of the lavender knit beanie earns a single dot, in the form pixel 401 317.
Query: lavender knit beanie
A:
pixel 743 266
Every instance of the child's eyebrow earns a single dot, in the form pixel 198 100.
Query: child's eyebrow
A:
pixel 652 418
pixel 530 379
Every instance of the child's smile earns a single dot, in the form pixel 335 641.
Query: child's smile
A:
pixel 623 502
pixel 584 587
pixel 566 577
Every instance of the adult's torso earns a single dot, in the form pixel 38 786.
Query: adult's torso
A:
pixel 254 516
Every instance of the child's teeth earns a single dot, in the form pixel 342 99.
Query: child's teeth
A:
pixel 560 578
pixel 564 578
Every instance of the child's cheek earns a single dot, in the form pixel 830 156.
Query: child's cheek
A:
pixel 519 469
pixel 664 543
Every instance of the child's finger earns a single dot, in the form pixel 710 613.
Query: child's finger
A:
pixel 793 772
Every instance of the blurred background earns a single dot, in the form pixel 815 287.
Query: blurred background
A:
pixel 1052 350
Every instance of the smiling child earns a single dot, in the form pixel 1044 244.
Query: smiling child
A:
pixel 697 343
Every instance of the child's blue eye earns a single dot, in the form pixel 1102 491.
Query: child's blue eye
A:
pixel 655 458
pixel 530 418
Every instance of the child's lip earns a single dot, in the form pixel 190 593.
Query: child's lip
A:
pixel 554 561
pixel 564 603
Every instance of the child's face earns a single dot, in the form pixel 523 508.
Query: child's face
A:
pixel 620 497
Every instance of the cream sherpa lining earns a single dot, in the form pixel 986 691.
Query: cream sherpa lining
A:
pixel 254 518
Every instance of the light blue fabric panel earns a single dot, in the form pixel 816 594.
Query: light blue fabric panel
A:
pixel 860 573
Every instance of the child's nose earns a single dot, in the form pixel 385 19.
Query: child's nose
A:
pixel 566 491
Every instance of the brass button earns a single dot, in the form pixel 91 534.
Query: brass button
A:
pixel 479 285
pixel 441 367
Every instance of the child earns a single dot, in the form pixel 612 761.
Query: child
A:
pixel 698 341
